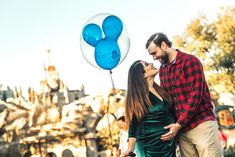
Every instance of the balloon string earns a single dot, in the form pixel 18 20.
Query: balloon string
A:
pixel 114 91
pixel 114 95
pixel 113 87
pixel 110 131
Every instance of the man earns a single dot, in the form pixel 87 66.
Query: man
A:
pixel 182 76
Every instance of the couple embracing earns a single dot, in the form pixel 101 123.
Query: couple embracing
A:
pixel 180 109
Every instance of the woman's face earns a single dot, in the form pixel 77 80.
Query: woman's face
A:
pixel 150 70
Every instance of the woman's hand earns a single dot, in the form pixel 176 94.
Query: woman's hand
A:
pixel 126 153
pixel 131 146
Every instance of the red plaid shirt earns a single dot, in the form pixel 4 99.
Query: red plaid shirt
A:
pixel 184 80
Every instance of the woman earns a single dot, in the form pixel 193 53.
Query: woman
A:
pixel 147 112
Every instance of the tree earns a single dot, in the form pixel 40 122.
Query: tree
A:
pixel 214 43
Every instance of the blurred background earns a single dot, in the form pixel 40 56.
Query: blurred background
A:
pixel 55 103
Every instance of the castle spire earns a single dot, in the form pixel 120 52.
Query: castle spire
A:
pixel 49 56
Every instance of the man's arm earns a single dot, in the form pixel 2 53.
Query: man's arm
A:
pixel 194 76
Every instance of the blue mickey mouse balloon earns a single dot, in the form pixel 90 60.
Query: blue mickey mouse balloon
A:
pixel 104 41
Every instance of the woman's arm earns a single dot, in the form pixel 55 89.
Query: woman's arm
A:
pixel 132 134
pixel 131 146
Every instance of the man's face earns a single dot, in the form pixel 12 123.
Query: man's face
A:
pixel 158 53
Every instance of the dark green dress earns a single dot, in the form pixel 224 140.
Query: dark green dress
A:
pixel 148 132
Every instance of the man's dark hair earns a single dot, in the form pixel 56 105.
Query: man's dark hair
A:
pixel 157 39
pixel 122 118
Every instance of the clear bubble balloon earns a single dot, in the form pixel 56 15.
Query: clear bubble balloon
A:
pixel 104 41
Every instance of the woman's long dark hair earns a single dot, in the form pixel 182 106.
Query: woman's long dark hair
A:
pixel 137 98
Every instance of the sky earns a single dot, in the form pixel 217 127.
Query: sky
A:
pixel 29 28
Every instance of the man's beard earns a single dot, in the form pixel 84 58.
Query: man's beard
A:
pixel 164 59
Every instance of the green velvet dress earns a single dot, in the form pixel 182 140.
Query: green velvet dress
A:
pixel 148 132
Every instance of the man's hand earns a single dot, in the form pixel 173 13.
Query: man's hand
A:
pixel 173 130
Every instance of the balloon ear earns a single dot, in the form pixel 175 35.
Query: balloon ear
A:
pixel 112 27
pixel 92 33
